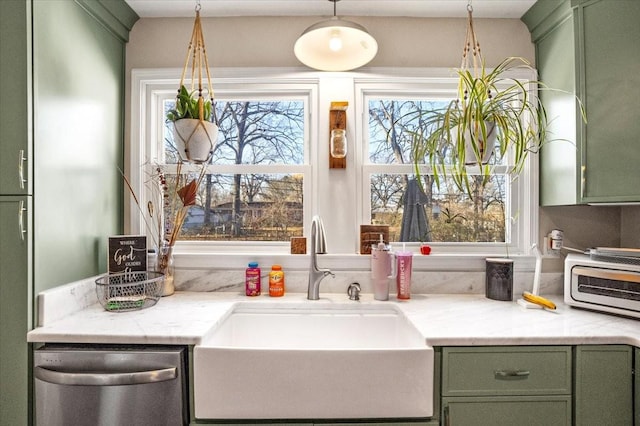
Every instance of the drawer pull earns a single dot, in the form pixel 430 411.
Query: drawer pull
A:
pixel 512 374
pixel 21 160
pixel 21 228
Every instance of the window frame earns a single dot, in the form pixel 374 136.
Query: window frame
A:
pixel 150 88
pixel 521 231
pixel 325 87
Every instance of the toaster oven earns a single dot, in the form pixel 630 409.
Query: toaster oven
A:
pixel 603 285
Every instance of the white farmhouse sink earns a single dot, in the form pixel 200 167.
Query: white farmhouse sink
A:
pixel 313 360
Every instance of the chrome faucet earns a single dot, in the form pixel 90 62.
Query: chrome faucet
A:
pixel 318 246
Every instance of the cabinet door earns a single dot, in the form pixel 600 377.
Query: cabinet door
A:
pixel 382 423
pixel 559 159
pixel 636 403
pixel 15 307
pixel 507 411
pixel 604 385
pixel 78 86
pixel 15 104
pixel 610 86
pixel 589 47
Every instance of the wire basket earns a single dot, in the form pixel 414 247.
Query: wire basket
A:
pixel 129 291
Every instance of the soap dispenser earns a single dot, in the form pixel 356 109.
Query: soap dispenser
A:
pixel 381 269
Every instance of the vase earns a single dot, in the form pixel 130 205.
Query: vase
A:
pixel 499 279
pixel 485 148
pixel 195 139
pixel 164 264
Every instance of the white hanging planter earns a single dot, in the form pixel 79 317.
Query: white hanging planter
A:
pixel 195 139
pixel 485 148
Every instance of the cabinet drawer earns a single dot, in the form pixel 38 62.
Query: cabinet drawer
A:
pixel 506 370
pixel 507 411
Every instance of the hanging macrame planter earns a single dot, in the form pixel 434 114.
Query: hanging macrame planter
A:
pixel 195 131
pixel 479 135
pixel 496 120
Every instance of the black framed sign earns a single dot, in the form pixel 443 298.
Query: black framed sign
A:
pixel 127 253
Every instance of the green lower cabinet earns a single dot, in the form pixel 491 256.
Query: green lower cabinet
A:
pixel 507 411
pixel 506 385
pixel 604 385
pixel 256 422
pixel 580 385
pixel 330 423
pixel 636 403
pixel 384 423
pixel 15 310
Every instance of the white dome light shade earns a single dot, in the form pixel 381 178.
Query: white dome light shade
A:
pixel 335 45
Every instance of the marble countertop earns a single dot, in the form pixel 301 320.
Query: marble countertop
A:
pixel 444 319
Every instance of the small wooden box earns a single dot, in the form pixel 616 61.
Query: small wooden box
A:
pixel 298 245
pixel 370 235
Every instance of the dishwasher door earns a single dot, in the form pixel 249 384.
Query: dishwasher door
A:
pixel 110 386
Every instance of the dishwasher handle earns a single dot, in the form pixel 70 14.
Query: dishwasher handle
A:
pixel 104 379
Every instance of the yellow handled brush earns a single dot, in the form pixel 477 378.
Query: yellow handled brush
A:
pixel 538 300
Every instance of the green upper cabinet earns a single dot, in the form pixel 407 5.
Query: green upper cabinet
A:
pixel 78 104
pixel 62 80
pixel 15 108
pixel 590 48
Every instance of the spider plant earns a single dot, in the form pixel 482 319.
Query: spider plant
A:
pixel 494 113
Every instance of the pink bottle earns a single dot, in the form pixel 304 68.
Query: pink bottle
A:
pixel 404 261
pixel 381 268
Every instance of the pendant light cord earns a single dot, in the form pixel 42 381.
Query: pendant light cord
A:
pixel 334 6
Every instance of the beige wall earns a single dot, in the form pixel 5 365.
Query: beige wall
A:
pixel 403 42
pixel 268 41
pixel 630 227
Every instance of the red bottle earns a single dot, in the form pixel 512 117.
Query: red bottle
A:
pixel 252 280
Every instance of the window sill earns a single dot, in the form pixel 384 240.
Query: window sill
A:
pixel 338 262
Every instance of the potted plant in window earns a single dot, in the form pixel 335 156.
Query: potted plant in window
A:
pixel 494 113
pixel 193 132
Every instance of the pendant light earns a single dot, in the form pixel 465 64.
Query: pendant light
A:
pixel 335 45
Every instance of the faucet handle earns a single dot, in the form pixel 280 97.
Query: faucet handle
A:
pixel 354 291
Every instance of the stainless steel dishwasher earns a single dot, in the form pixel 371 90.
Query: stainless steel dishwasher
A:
pixel 110 385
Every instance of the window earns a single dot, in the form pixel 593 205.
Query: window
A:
pixel 417 209
pixel 269 173
pixel 266 136
pixel 255 185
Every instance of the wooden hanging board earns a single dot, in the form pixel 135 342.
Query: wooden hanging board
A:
pixel 337 120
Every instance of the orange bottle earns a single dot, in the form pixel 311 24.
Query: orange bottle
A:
pixel 276 281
